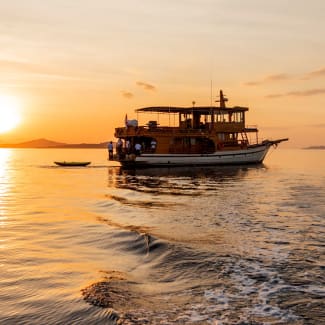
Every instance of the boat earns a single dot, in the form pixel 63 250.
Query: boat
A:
pixel 72 163
pixel 199 136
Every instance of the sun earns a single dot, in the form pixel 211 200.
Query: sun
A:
pixel 9 113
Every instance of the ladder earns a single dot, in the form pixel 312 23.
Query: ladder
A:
pixel 244 137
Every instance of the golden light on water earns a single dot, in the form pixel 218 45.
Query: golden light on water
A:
pixel 4 182
pixel 9 113
pixel 4 157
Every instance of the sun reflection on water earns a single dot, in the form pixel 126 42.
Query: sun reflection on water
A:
pixel 5 155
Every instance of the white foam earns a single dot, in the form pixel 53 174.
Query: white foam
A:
pixel 249 284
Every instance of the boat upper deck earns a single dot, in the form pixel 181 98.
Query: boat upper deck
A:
pixel 202 110
pixel 198 121
pixel 201 121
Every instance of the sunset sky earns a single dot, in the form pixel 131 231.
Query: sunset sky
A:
pixel 77 67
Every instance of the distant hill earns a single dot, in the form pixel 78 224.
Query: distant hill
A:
pixel 316 147
pixel 84 145
pixel 37 143
pixel 44 143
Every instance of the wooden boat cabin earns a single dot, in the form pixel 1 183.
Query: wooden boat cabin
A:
pixel 196 130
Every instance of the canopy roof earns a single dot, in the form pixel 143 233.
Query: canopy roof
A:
pixel 190 110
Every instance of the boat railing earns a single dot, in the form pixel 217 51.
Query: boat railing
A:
pixel 217 127
pixel 139 130
pixel 251 127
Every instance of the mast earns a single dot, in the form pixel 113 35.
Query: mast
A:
pixel 222 99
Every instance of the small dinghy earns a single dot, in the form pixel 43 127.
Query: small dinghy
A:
pixel 72 163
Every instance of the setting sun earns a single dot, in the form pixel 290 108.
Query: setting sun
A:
pixel 9 113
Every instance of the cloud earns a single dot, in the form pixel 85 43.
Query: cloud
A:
pixel 20 66
pixel 277 77
pixel 127 94
pixel 275 95
pixel 315 74
pixel 34 71
pixel 320 125
pixel 299 93
pixel 252 83
pixel 270 78
pixel 283 76
pixel 146 86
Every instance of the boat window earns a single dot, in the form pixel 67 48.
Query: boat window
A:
pixel 222 117
pixel 238 117
pixel 152 124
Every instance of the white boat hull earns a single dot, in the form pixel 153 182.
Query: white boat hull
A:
pixel 251 155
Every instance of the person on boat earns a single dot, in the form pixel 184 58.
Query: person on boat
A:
pixel 153 145
pixel 119 147
pixel 110 148
pixel 137 148
pixel 127 147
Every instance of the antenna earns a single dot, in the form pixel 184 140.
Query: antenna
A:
pixel 211 93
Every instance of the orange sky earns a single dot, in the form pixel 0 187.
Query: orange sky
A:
pixel 78 67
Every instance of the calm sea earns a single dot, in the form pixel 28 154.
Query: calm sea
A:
pixel 101 245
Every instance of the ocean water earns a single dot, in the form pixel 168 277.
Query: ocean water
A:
pixel 102 245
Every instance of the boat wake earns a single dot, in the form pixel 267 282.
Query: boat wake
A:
pixel 174 284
